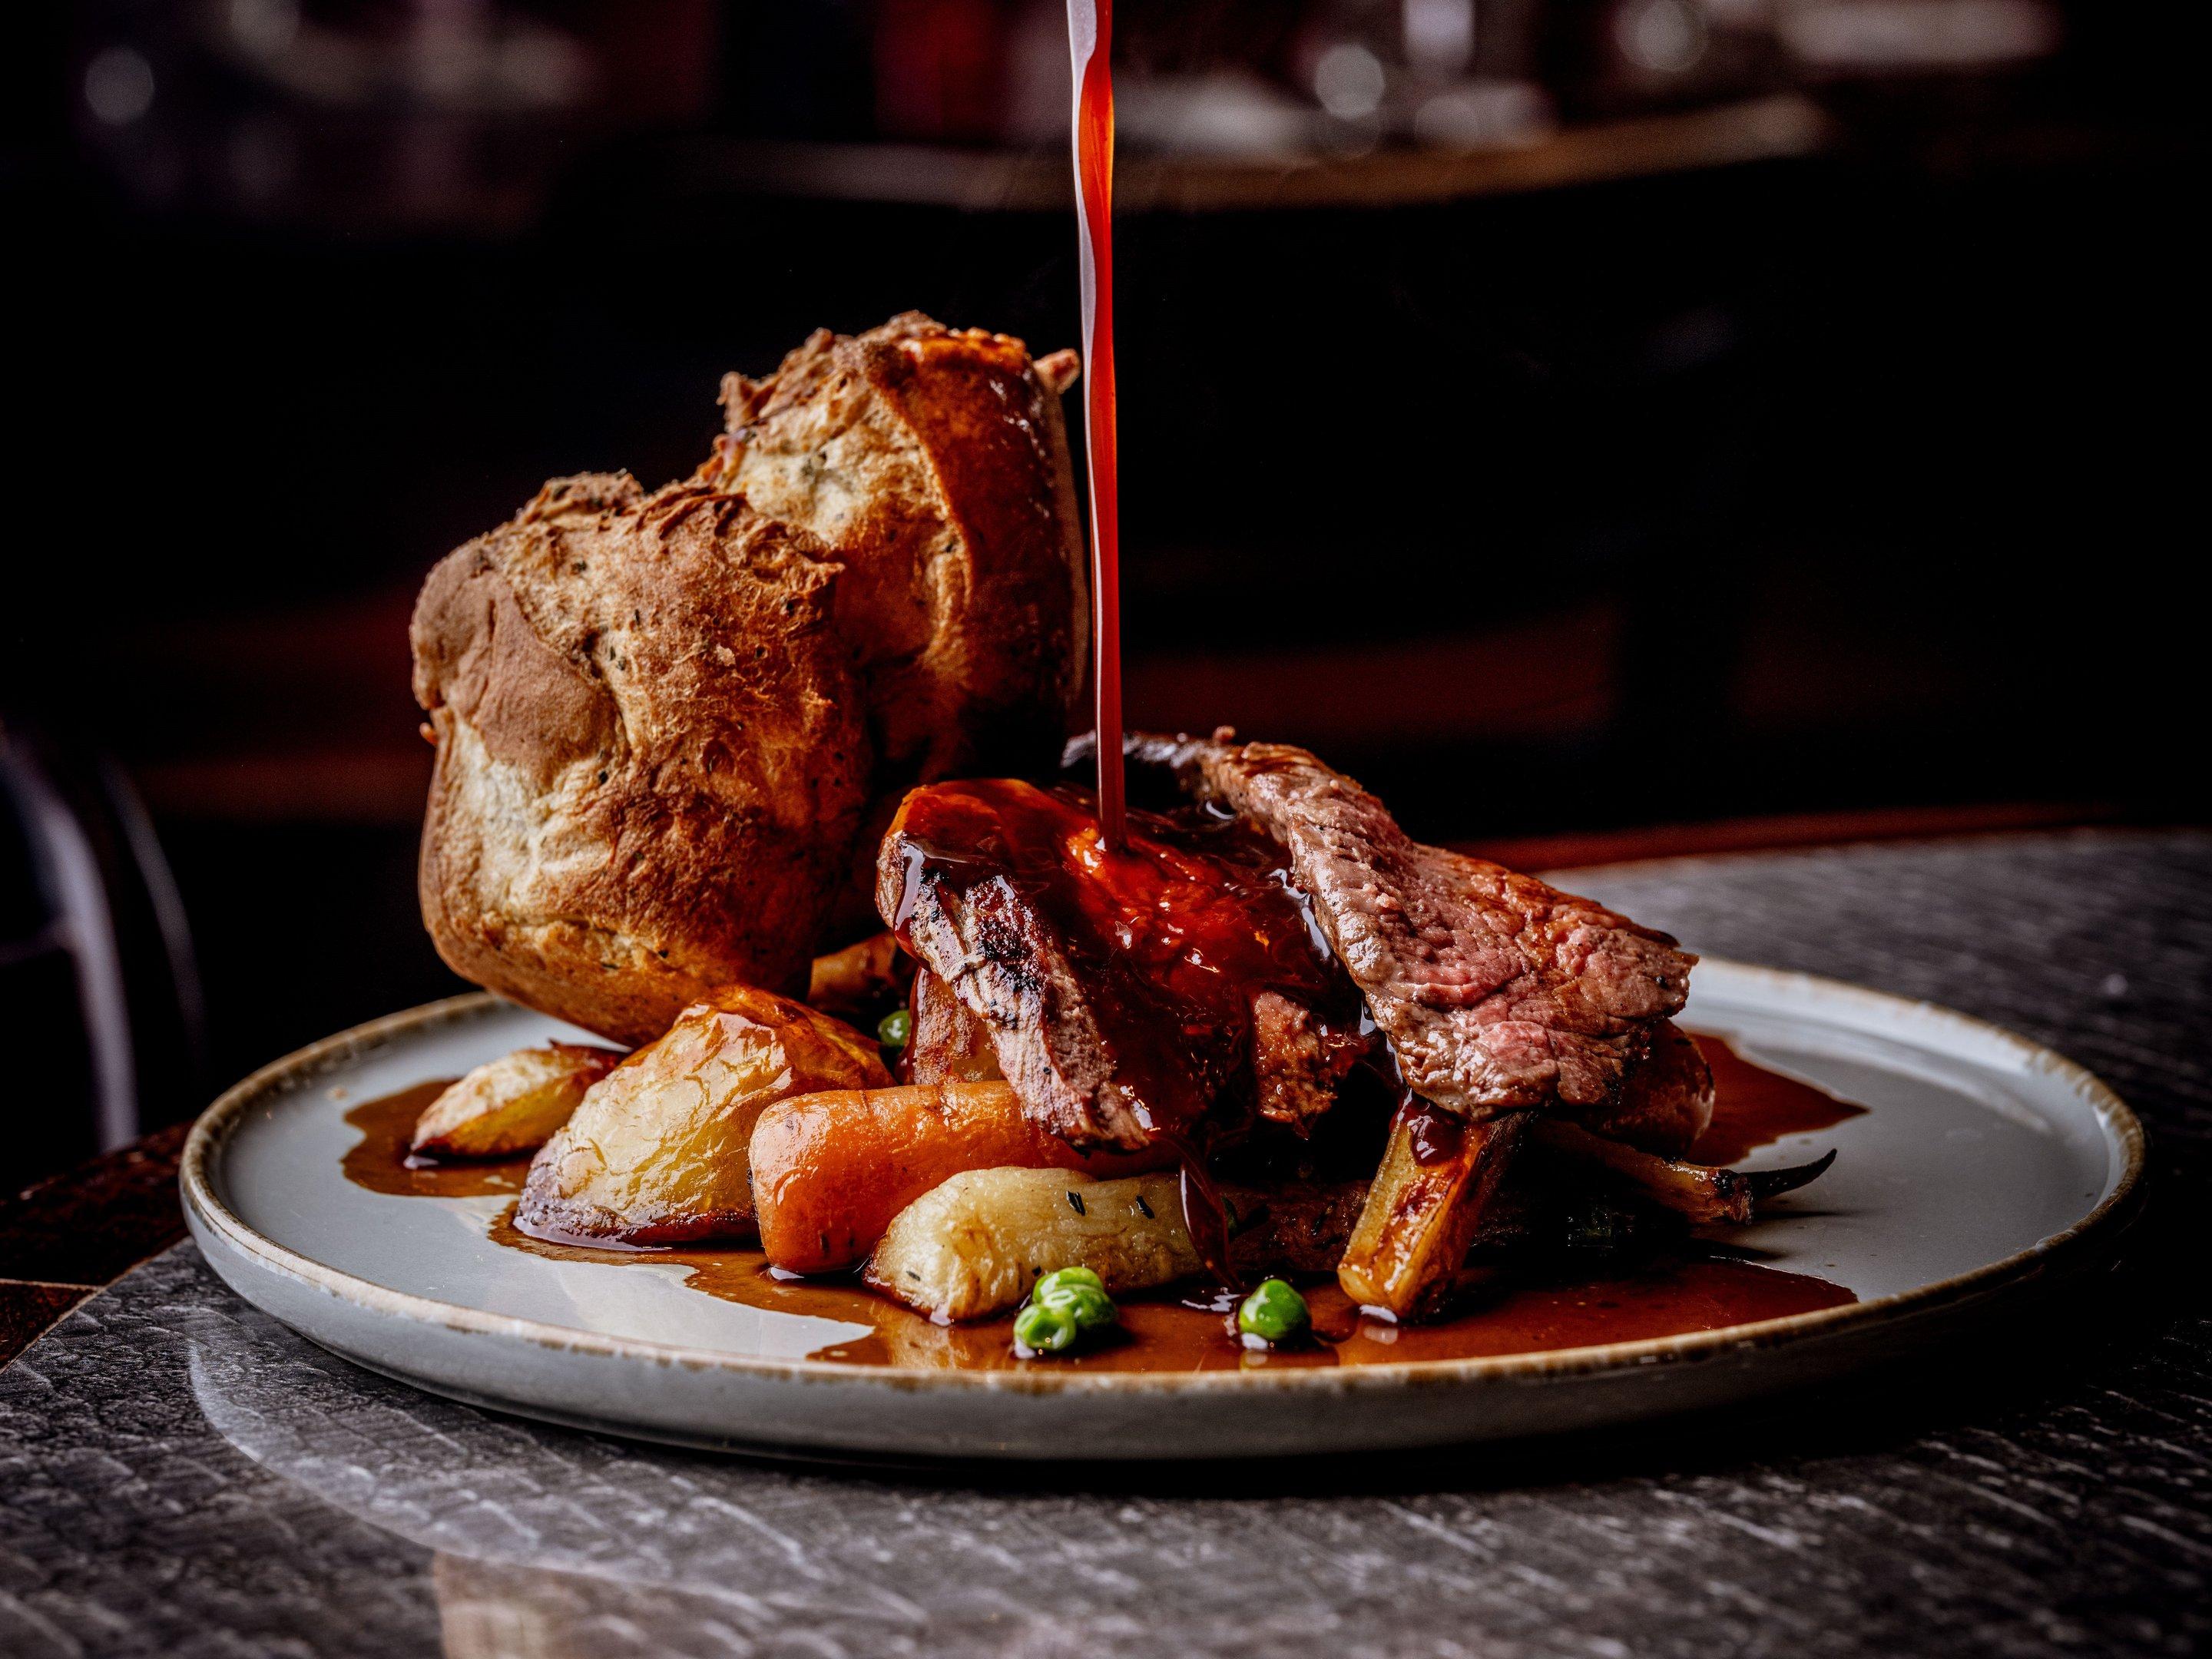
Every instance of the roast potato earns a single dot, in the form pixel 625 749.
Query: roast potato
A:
pixel 973 1245
pixel 658 1151
pixel 511 1104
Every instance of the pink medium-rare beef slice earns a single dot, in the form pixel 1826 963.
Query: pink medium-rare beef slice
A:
pixel 1496 991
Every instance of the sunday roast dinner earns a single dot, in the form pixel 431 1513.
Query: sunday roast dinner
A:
pixel 765 777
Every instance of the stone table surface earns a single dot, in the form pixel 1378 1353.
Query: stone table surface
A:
pixel 180 1476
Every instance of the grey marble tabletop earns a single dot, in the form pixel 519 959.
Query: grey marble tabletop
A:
pixel 180 1476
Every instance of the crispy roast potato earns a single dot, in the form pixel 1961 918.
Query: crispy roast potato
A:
pixel 658 1151
pixel 973 1245
pixel 1404 1255
pixel 511 1104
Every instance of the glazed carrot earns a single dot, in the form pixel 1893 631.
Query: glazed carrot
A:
pixel 831 1170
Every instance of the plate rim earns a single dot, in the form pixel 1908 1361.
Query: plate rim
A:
pixel 215 1125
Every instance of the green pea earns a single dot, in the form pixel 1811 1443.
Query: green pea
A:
pixel 1273 1313
pixel 1078 1293
pixel 894 1029
pixel 1091 1310
pixel 1060 1279
pixel 1040 1329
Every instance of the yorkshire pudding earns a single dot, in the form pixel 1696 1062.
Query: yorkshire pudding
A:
pixel 667 722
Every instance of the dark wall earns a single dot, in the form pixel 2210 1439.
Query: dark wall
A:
pixel 1867 477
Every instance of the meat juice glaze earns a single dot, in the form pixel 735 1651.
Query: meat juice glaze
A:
pixel 1171 937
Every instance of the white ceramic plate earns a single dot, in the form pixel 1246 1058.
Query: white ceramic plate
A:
pixel 1982 1162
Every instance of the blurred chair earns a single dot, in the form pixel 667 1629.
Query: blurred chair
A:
pixel 97 973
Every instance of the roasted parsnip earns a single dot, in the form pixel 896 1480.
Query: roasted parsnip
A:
pixel 1425 1207
pixel 973 1245
pixel 1695 1190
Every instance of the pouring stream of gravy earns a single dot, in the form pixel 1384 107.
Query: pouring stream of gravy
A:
pixel 1091 40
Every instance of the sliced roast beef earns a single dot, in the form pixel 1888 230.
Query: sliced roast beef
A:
pixel 1298 1059
pixel 1496 991
pixel 947 1043
pixel 1010 966
pixel 1171 988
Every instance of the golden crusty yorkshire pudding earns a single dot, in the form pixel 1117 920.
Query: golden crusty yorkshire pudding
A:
pixel 667 722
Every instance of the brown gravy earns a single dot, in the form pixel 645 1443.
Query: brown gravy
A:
pixel 1666 1296
pixel 382 1163
pixel 1754 1107
pixel 1699 1289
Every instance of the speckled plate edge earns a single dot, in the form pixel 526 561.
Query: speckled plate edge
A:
pixel 230 1242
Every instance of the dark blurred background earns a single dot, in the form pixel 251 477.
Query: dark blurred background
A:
pixel 1574 419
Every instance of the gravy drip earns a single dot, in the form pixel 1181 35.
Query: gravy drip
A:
pixel 1754 1107
pixel 383 1163
pixel 1437 1133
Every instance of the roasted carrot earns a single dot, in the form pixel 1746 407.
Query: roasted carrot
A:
pixel 831 1170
